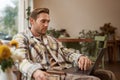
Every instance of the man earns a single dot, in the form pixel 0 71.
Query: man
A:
pixel 41 52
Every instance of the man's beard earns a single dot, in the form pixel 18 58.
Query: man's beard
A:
pixel 41 34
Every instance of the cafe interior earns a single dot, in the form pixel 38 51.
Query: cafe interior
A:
pixel 82 26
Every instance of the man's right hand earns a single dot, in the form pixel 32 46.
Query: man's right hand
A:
pixel 40 75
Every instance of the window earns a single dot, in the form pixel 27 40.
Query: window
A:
pixel 22 14
pixel 8 18
pixel 13 17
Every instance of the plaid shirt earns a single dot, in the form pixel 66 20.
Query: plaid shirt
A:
pixel 41 52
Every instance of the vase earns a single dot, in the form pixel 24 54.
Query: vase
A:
pixel 7 75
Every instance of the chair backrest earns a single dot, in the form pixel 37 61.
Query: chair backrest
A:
pixel 101 42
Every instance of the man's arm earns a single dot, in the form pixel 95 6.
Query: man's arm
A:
pixel 78 59
pixel 26 66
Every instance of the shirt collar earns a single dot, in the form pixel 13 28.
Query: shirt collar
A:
pixel 32 36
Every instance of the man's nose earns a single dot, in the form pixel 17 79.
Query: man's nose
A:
pixel 46 24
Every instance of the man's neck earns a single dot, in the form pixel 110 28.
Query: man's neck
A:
pixel 35 34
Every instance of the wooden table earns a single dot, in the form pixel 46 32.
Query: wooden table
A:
pixel 73 40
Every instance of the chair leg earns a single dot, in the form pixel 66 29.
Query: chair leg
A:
pixel 103 64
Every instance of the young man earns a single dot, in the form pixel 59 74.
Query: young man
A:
pixel 40 52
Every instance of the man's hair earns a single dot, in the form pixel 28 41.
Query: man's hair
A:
pixel 37 11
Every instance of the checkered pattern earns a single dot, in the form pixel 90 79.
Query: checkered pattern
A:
pixel 32 51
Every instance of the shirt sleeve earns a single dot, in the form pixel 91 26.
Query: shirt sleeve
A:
pixel 26 66
pixel 69 54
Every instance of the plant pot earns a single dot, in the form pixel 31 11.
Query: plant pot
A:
pixel 7 75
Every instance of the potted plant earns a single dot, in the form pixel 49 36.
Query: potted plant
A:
pixel 88 48
pixel 109 30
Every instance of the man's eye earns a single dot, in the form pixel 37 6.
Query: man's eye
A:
pixel 43 21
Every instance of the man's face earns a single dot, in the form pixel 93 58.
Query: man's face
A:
pixel 40 25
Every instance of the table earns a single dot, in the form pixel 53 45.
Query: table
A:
pixel 74 40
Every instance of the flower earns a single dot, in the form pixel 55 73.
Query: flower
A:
pixel 14 43
pixel 13 46
pixel 4 52
pixel 7 56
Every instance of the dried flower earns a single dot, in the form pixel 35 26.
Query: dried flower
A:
pixel 108 29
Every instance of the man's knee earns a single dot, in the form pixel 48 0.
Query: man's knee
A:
pixel 105 74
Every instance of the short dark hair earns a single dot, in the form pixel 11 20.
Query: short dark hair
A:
pixel 37 11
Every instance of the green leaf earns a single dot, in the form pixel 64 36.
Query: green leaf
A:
pixel 6 63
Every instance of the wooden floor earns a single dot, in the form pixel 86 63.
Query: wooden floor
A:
pixel 115 68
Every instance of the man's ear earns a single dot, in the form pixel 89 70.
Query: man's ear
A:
pixel 31 20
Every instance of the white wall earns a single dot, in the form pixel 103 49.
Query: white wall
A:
pixel 75 15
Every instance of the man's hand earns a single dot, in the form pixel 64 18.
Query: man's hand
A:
pixel 40 75
pixel 84 63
